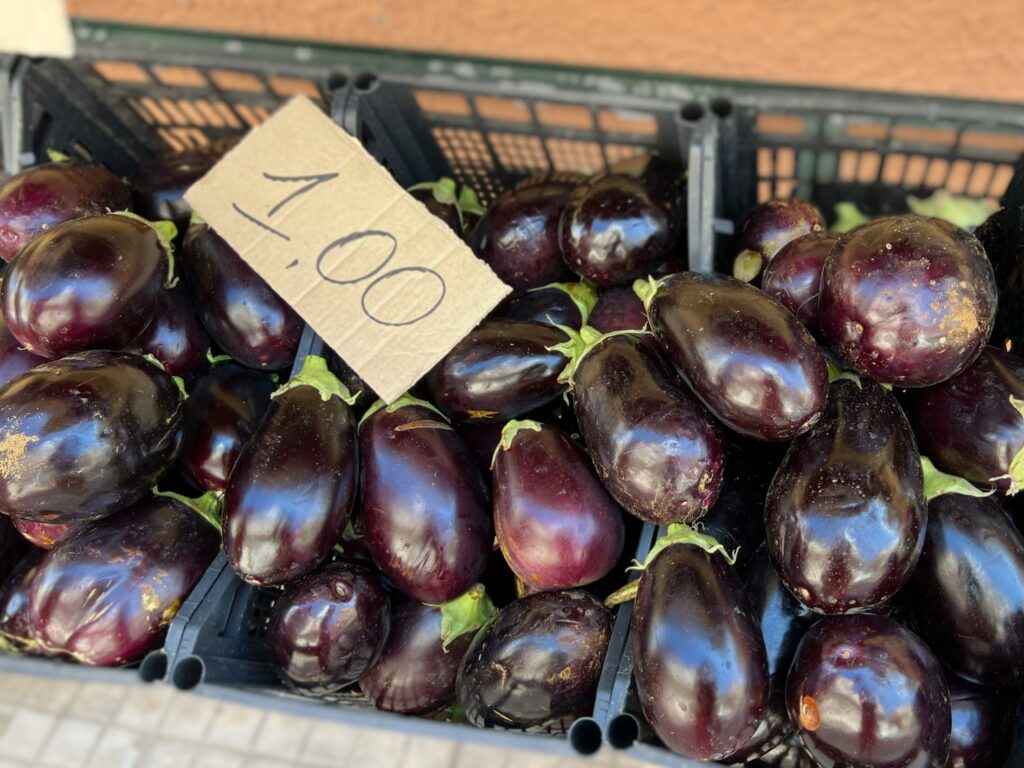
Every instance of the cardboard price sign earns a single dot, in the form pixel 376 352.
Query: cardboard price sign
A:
pixel 36 28
pixel 384 283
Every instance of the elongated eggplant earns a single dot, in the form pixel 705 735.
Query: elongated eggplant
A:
pixel 537 664
pixel 699 658
pixel 292 489
pixel 86 435
pixel 655 448
pixel 846 514
pixel 329 628
pixel 175 337
pixel 907 300
pixel 984 723
pixel 556 524
pixel 40 198
pixel 221 414
pixel 239 310
pixel 14 358
pixel 90 283
pixel 863 691
pixel 42 535
pixel 106 592
pixel 794 275
pixel 425 507
pixel 14 599
pixel 500 371
pixel 767 228
pixel 967 594
pixel 556 304
pixel 747 358
pixel 159 185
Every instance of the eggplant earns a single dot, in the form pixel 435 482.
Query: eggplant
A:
pixel 42 535
pixel 747 358
pixel 360 390
pixel 90 283
pixel 40 198
pixel 984 724
pixel 175 337
pixel 439 197
pixel 567 304
pixel 618 308
pixel 105 594
pixel 863 691
pixel 482 440
pixel 967 594
pixel 971 425
pixel 846 514
pixel 240 311
pixel 500 371
pixel 907 300
pixel 536 664
pixel 14 358
pixel 556 524
pixel 159 184
pixel 767 228
pixel 794 275
pixel 221 414
pixel 329 628
pixel 424 502
pixel 14 600
pixel 292 489
pixel 656 449
pixel 699 659
pixel 85 436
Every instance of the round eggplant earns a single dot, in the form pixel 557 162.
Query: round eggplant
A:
pixel 748 359
pixel 699 658
pixel 14 594
pixel 425 508
pixel 500 371
pixel 655 448
pixel 40 198
pixel 907 300
pixel 240 311
pixel 329 628
pixel 86 435
pixel 767 228
pixel 90 283
pixel 845 515
pixel 42 535
pixel 292 489
pixel 556 524
pixel 106 592
pixel 537 664
pixel 794 275
pixel 863 691
pixel 175 337
pixel 159 184
pixel 14 358
pixel 984 723
pixel 567 304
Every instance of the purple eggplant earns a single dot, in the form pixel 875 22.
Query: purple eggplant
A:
pixel 14 358
pixel 556 524
pixel 699 658
pixel 537 664
pixel 90 283
pixel 329 628
pixel 794 275
pixel 106 592
pixel 42 535
pixel 500 371
pixel 159 185
pixel 292 489
pixel 459 212
pixel 175 337
pixel 14 601
pixel 656 449
pixel 567 304
pixel 747 358
pixel 482 440
pixel 618 308
pixel 85 436
pixel 424 502
pixel 40 198
pixel 907 300
pixel 767 228
pixel 845 515
pixel 984 724
pixel 863 691
pixel 240 311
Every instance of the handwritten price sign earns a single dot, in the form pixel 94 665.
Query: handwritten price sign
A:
pixel 383 282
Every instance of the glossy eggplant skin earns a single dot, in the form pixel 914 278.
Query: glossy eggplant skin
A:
pixel 14 594
pixel 656 449
pixel 481 439
pixel 863 691
pixel 699 658
pixel 967 594
pixel 86 435
pixel 983 725
pixel 907 300
pixel 240 311
pixel 794 275
pixel 537 663
pixel 175 337
pixel 106 592
pixel 90 283
pixel 42 535
pixel 425 508
pixel 415 675
pixel 770 225
pixel 159 185
pixel 292 490
pixel 618 309
pixel 223 410
pixel 14 358
pixel 550 306
pixel 40 198
pixel 501 370
pixel 747 358
pixel 556 524
pixel 328 629
pixel 846 513
pixel 966 425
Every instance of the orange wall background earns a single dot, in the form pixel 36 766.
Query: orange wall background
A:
pixel 966 48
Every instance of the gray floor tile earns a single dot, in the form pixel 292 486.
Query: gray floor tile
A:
pixel 26 733
pixel 69 743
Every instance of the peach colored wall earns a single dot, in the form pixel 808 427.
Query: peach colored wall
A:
pixel 967 48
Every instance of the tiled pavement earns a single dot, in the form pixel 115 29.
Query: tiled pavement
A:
pixel 58 724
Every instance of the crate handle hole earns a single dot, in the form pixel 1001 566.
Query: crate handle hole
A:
pixel 585 736
pixel 188 673
pixel 692 112
pixel 366 82
pixel 153 667
pixel 337 80
pixel 721 107
pixel 623 730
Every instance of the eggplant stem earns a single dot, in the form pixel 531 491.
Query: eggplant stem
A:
pixel 622 595
pixel 206 506
pixel 466 613
pixel 645 291
pixel 401 402
pixel 57 157
pixel 213 359
pixel 747 265
pixel 835 373
pixel 469 202
pixel 316 374
pixel 509 432
pixel 583 295
pixel 165 231
pixel 938 483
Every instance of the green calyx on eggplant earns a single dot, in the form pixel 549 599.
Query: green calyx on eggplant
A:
pixel 465 613
pixel 556 304
pixel 441 200
pixel 304 448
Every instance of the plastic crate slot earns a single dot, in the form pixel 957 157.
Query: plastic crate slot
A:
pixel 519 153
pixel 627 123
pixel 981 178
pixel 959 173
pixel 286 87
pixel 919 134
pixel 917 166
pixel 191 112
pixel 502 110
pixel 867 169
pixel 172 111
pixel 847 165
pixel 156 112
pixel 247 114
pixel 463 147
pixel 938 170
pixel 764 191
pixel 787 125
pixel 893 168
pixel 785 163
pixel 442 103
pixel 1001 180
pixel 82 151
pixel 179 77
pixel 236 80
pixel 616 152
pixel 141 111
pixel 1003 142
pixel 868 131
pixel 559 115
pixel 209 113
pixel 575 155
pixel 121 72
pixel 784 188
pixel 230 117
